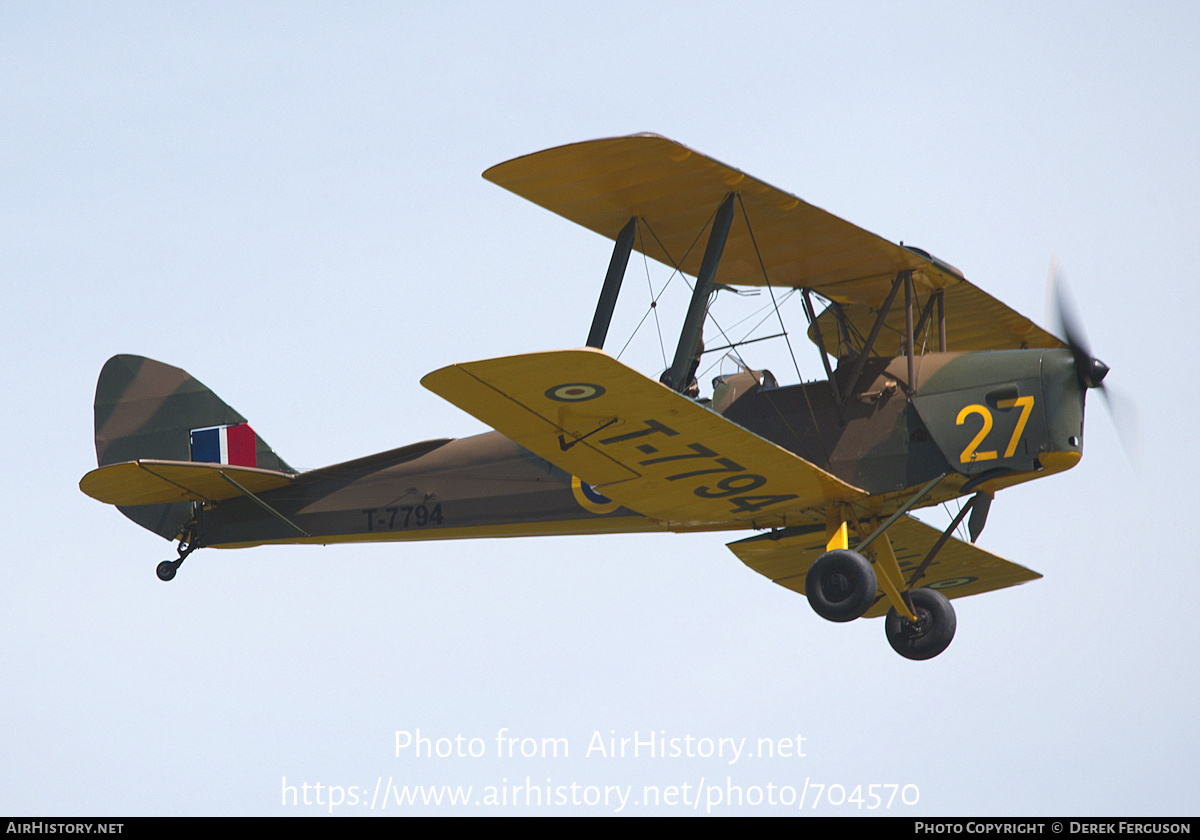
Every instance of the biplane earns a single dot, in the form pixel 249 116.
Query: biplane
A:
pixel 933 391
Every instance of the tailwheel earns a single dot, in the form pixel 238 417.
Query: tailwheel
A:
pixel 187 544
pixel 930 634
pixel 840 585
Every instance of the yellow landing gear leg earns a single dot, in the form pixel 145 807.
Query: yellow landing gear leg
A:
pixel 891 579
pixel 837 534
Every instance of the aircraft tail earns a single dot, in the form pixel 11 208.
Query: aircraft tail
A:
pixel 146 409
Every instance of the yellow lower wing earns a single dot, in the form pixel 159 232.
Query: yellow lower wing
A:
pixel 958 570
pixel 640 443
pixel 148 482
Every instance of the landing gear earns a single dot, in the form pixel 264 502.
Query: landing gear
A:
pixel 930 634
pixel 840 585
pixel 188 542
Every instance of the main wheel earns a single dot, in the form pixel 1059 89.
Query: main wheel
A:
pixel 166 569
pixel 930 634
pixel 840 585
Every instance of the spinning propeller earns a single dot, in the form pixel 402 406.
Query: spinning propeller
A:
pixel 1063 313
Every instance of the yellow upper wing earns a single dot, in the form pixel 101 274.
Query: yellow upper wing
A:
pixel 639 442
pixel 780 239
pixel 959 569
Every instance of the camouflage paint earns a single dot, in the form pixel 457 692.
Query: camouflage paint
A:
pixel 885 438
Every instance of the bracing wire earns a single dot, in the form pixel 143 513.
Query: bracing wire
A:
pixel 800 378
pixel 653 308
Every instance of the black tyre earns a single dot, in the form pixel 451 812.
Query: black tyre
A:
pixel 840 585
pixel 166 569
pixel 933 630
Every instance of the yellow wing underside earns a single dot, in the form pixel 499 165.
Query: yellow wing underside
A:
pixel 958 570
pixel 149 482
pixel 778 239
pixel 640 443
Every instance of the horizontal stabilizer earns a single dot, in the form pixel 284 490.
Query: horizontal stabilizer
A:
pixel 150 482
pixel 640 443
pixel 959 568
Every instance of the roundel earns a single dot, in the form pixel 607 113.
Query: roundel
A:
pixel 950 583
pixel 590 500
pixel 574 392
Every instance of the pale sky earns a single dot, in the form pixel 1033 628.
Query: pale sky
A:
pixel 284 200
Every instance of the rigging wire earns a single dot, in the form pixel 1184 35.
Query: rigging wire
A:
pixel 653 308
pixel 808 402
pixel 655 297
pixel 677 270
pixel 746 338
pixel 962 535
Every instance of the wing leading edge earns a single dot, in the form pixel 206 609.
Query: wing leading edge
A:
pixel 640 443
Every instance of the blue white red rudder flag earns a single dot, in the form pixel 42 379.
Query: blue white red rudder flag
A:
pixel 232 445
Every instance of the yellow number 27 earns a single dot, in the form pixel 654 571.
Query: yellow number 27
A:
pixel 972 453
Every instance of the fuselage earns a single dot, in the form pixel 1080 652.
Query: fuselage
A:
pixel 1001 417
pixel 480 486
pixel 1012 411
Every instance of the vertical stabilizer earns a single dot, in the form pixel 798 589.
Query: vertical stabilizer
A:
pixel 145 409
